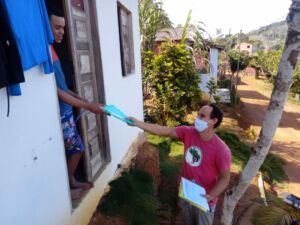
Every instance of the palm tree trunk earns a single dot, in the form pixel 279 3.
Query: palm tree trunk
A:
pixel 272 118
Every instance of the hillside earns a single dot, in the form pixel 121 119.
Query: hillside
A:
pixel 271 35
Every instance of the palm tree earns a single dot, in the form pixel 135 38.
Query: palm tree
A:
pixel 279 95
pixel 152 17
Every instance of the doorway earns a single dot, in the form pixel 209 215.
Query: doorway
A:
pixel 80 55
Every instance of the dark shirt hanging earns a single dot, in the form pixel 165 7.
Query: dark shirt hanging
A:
pixel 11 71
pixel 30 25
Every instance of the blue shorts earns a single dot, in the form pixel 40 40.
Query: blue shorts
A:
pixel 72 140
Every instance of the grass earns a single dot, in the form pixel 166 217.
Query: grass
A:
pixel 171 159
pixel 132 198
pixel 277 212
pixel 271 168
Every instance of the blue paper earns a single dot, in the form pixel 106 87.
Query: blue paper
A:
pixel 117 113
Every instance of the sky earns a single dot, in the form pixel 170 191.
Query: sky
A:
pixel 245 15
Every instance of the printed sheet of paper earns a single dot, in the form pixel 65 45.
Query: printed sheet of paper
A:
pixel 193 193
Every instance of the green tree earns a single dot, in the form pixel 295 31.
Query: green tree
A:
pixel 233 59
pixel 273 115
pixel 170 84
pixel 266 62
pixel 296 80
pixel 212 87
pixel 152 17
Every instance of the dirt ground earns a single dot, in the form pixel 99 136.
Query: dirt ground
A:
pixel 255 95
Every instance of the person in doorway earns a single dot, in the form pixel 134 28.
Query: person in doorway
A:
pixel 67 100
pixel 207 158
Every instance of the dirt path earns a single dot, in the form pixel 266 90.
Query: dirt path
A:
pixel 255 95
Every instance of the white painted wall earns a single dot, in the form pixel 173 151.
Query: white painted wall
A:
pixel 204 79
pixel 213 58
pixel 34 184
pixel 213 73
pixel 123 92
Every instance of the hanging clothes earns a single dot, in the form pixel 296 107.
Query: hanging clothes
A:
pixel 11 71
pixel 31 28
pixel 30 24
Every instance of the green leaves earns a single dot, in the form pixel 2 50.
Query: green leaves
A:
pixel 151 18
pixel 172 83
pixel 131 197
pixel 212 87
pixel 296 80
pixel 272 168
pixel 233 59
pixel 266 62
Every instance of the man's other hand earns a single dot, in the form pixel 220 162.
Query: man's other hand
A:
pixel 134 120
pixel 95 108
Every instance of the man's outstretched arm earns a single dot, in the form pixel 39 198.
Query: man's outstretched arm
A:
pixel 79 103
pixel 154 128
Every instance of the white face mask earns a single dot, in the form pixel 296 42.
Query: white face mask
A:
pixel 200 125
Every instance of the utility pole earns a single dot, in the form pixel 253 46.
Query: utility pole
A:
pixel 238 66
pixel 229 42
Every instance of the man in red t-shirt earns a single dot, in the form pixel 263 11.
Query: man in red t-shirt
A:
pixel 207 158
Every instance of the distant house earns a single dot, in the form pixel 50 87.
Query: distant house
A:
pixel 207 67
pixel 250 48
pixel 34 190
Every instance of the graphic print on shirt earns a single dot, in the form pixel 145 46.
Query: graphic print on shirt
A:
pixel 193 156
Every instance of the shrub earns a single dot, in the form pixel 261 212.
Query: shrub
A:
pixel 295 88
pixel 233 59
pixel 170 84
pixel 277 212
pixel 218 99
pixel 250 134
pixel 131 197
pixel 223 83
pixel 212 87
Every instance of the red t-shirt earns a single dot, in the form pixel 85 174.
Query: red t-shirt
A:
pixel 203 160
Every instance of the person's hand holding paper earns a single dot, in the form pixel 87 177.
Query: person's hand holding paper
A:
pixel 112 110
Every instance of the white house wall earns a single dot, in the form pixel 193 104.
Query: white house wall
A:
pixel 123 92
pixel 213 59
pixel 34 184
pixel 213 73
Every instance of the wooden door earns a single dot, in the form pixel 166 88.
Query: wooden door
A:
pixel 88 79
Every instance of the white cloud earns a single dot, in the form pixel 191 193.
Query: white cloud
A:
pixel 235 14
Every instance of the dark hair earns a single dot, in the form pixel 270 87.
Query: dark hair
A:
pixel 55 8
pixel 216 113
pixel 56 12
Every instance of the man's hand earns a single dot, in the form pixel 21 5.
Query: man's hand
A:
pixel 154 128
pixel 208 197
pixel 136 121
pixel 95 108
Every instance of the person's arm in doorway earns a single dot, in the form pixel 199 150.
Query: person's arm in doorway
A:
pixel 79 103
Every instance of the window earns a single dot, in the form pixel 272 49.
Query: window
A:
pixel 126 40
